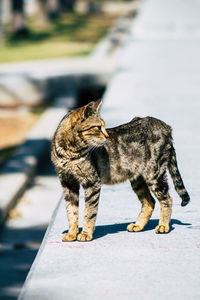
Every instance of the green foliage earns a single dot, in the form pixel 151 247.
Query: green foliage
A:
pixel 70 35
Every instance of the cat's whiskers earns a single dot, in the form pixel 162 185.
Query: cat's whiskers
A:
pixel 96 147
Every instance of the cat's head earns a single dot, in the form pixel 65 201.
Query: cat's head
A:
pixel 87 126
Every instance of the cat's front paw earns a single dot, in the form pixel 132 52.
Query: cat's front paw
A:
pixel 84 237
pixel 69 237
pixel 162 229
pixel 133 227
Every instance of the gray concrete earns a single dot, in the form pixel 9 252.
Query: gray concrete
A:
pixel 116 36
pixel 158 75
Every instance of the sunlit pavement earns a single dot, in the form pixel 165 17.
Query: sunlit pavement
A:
pixel 158 75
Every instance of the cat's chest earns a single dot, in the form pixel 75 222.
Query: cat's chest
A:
pixel 82 170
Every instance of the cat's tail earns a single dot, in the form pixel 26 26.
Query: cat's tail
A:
pixel 176 177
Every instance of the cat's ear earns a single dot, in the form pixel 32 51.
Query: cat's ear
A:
pixel 97 104
pixel 75 117
pixel 82 113
pixel 91 108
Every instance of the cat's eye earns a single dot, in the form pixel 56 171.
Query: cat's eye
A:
pixel 96 127
pixel 92 127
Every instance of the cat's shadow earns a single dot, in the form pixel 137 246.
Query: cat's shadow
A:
pixel 103 230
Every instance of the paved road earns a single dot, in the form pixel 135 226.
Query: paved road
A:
pixel 158 75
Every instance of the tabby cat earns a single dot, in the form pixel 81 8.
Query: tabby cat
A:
pixel 86 153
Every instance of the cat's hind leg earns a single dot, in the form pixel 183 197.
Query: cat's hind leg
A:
pixel 159 188
pixel 142 191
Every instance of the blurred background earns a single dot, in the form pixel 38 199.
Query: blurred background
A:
pixel 36 29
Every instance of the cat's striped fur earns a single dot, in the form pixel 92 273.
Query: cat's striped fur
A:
pixel 85 153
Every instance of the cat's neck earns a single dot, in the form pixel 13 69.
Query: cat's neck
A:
pixel 79 155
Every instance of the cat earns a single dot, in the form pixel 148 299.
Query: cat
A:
pixel 85 153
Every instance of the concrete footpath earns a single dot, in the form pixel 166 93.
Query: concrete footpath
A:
pixel 158 75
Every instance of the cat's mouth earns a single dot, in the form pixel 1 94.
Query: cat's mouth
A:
pixel 99 144
pixel 103 143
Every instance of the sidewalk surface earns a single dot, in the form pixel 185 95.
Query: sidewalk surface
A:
pixel 158 75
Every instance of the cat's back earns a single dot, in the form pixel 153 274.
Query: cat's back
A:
pixel 140 129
